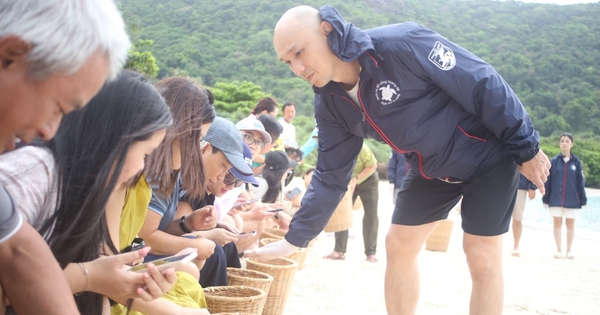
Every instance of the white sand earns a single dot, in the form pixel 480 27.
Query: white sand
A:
pixel 535 283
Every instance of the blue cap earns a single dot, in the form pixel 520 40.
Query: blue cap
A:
pixel 246 178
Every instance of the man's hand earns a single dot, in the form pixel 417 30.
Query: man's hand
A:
pixel 537 170
pixel 221 236
pixel 202 219
pixel 531 194
pixel 273 250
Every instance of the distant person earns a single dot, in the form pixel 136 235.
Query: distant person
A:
pixel 311 143
pixel 462 128
pixel 48 68
pixel 397 170
pixel 565 193
pixel 526 188
pixel 266 106
pixel 366 186
pixel 288 136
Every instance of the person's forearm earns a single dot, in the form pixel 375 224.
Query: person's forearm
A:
pixel 366 172
pixel 31 278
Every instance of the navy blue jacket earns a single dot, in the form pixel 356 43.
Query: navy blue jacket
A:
pixel 447 110
pixel 525 184
pixel 397 169
pixel 565 186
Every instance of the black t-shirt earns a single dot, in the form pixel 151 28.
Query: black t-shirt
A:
pixel 208 200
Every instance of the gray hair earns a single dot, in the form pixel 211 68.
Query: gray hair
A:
pixel 64 34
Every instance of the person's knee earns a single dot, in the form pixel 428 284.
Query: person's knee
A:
pixel 401 244
pixel 570 223
pixel 484 256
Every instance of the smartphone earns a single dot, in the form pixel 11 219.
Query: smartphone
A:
pixel 275 210
pixel 293 193
pixel 247 202
pixel 166 262
pixel 247 234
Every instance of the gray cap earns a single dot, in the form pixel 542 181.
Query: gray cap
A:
pixel 224 136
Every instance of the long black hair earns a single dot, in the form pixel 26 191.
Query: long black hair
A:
pixel 89 148
pixel 276 164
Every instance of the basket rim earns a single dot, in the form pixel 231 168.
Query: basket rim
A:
pixel 208 292
pixel 266 264
pixel 233 270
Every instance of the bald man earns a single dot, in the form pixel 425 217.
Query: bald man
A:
pixel 462 129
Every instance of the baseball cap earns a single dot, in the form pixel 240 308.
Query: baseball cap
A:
pixel 224 136
pixel 251 123
pixel 277 160
pixel 246 178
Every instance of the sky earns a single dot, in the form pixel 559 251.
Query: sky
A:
pixel 562 2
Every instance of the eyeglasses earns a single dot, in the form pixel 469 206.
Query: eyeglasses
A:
pixel 230 179
pixel 249 139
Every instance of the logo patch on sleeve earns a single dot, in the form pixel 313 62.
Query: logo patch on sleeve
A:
pixel 442 56
pixel 387 92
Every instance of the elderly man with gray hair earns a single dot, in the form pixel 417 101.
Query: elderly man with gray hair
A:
pixel 54 57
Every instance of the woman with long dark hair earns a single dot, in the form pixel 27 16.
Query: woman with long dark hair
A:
pixel 65 185
pixel 565 192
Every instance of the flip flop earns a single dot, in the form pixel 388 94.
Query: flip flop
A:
pixel 335 256
pixel 371 258
pixel 516 253
pixel 569 256
pixel 558 255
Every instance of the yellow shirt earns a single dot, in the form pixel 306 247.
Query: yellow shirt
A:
pixel 134 211
pixel 186 292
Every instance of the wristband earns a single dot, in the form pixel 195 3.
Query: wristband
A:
pixel 183 226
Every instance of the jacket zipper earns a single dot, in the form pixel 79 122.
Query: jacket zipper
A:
pixel 564 185
pixel 366 116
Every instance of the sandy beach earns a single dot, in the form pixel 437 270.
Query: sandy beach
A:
pixel 535 283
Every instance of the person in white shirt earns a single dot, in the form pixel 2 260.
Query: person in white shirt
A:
pixel 288 136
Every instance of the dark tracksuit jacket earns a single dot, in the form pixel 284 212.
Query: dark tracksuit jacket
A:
pixel 448 111
pixel 565 186
pixel 397 169
pixel 526 184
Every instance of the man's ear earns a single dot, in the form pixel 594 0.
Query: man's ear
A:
pixel 206 146
pixel 13 49
pixel 325 28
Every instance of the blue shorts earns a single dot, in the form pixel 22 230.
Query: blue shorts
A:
pixel 487 205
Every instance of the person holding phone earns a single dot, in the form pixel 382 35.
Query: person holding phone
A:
pixel 46 72
pixel 68 190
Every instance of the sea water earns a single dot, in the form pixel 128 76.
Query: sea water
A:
pixel 587 223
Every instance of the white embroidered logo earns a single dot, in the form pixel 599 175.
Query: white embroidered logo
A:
pixel 387 92
pixel 442 56
pixel 573 167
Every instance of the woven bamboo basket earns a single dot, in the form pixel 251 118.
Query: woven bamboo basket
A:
pixel 272 233
pixel 297 256
pixel 341 219
pixel 283 271
pixel 243 299
pixel 440 237
pixel 250 278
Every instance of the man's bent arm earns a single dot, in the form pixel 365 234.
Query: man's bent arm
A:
pixel 31 278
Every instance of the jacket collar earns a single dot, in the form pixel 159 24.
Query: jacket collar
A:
pixel 348 43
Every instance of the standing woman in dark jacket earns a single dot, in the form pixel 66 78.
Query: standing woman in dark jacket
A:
pixel 565 192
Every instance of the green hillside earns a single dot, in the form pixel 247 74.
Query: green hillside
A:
pixel 548 53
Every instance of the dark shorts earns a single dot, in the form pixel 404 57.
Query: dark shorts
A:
pixel 486 209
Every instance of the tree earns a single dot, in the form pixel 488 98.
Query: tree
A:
pixel 140 59
pixel 236 99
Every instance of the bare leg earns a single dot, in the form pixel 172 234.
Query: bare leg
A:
pixel 484 256
pixel 402 282
pixel 570 223
pixel 557 232
pixel 517 227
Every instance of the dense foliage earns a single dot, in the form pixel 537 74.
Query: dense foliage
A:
pixel 549 54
